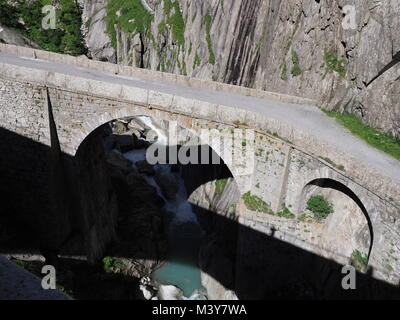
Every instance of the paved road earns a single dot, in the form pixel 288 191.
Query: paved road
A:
pixel 306 118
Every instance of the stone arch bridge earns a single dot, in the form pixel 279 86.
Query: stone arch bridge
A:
pixel 55 101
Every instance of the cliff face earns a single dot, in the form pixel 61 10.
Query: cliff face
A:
pixel 313 49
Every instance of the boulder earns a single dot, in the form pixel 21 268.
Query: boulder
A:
pixel 119 127
pixel 10 36
pixel 136 125
pixel 151 136
pixel 147 291
pixel 169 292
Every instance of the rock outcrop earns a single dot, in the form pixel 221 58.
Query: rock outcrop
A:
pixel 10 36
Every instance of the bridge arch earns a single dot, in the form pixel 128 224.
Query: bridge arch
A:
pixel 79 134
pixel 197 187
pixel 324 185
pixel 201 176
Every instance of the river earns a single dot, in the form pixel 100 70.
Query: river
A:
pixel 184 233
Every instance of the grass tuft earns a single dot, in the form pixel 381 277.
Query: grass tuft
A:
pixel 220 185
pixel 333 64
pixel 254 203
pixel 382 141
pixel 359 261
pixel 208 22
pixel 296 70
pixel 286 213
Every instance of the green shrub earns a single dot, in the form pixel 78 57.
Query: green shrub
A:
pixel 9 15
pixel 66 38
pixel 108 263
pixel 359 261
pixel 196 62
pixel 254 203
pixel 175 21
pixel 296 70
pixel 286 213
pixel 318 205
pixel 134 18
pixel 220 185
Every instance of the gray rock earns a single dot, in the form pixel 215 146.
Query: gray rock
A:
pixel 169 292
pixel 95 30
pixel 119 127
pixel 151 136
pixel 136 125
pixel 147 291
pixel 10 36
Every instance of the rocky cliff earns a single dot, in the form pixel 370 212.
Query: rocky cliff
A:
pixel 8 35
pixel 344 54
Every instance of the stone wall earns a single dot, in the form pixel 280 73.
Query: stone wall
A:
pixel 59 198
pixel 286 177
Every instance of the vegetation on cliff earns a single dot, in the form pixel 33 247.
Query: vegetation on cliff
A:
pixel 296 70
pixel 333 64
pixel 208 23
pixel 26 18
pixel 129 16
pixel 175 21
pixel 359 261
pixel 220 185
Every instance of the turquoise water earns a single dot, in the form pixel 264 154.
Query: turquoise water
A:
pixel 181 275
pixel 181 268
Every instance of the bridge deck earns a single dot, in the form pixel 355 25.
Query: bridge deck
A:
pixel 306 118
